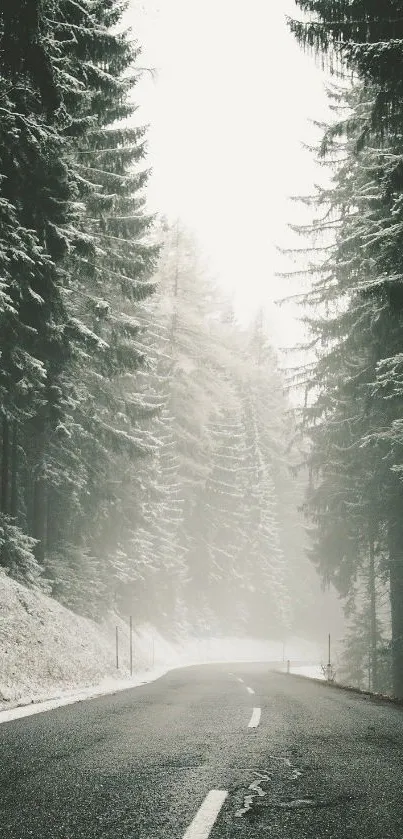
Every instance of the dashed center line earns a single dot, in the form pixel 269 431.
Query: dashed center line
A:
pixel 250 690
pixel 255 718
pixel 239 679
pixel 203 822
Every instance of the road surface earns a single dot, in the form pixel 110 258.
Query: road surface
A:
pixel 220 751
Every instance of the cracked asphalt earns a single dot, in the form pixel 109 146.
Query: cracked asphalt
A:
pixel 138 764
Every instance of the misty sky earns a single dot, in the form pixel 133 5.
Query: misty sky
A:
pixel 229 107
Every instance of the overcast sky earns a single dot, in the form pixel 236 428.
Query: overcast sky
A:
pixel 229 108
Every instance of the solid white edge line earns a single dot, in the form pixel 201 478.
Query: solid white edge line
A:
pixel 203 822
pixel 95 692
pixel 250 690
pixel 255 718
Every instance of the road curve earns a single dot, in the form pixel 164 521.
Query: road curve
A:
pixel 220 751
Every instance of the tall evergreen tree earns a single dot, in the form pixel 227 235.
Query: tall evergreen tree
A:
pixel 366 37
pixel 110 277
pixel 77 263
pixel 37 205
pixel 355 492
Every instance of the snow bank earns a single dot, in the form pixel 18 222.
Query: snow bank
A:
pixel 50 655
pixel 311 671
pixel 47 651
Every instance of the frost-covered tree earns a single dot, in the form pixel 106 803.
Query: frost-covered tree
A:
pixel 366 656
pixel 355 320
pixel 222 513
pixel 77 264
pixel 109 279
pixel 365 37
pixel 37 205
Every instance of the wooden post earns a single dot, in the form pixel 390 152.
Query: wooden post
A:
pixel 5 465
pixel 329 665
pixel 14 473
pixel 131 645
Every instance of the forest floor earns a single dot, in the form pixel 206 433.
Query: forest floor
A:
pixel 49 653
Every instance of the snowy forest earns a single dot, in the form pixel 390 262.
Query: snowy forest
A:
pixel 147 440
pixel 151 462
pixel 354 309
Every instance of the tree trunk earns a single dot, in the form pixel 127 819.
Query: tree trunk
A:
pixel 39 487
pixel 14 472
pixel 174 320
pixel 5 466
pixel 373 633
pixel 39 518
pixel 396 601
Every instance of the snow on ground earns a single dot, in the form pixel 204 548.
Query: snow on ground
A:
pixel 312 671
pixel 47 651
pixel 49 656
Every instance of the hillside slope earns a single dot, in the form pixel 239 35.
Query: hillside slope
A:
pixel 45 649
pixel 47 652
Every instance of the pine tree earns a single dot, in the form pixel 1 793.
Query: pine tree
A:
pixel 76 265
pixel 37 206
pixel 225 533
pixel 366 660
pixel 109 279
pixel 365 37
pixel 355 494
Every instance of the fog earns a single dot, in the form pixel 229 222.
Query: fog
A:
pixel 201 433
pixel 170 451
pixel 229 119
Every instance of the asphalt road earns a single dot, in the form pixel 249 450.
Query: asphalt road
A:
pixel 179 758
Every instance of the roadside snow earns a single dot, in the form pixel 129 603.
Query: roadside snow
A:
pixel 311 671
pixel 69 698
pixel 50 656
pixel 48 652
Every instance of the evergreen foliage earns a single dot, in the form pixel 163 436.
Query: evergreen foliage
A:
pixel 355 421
pixel 366 657
pixel 228 434
pixel 144 434
pixel 65 350
pixel 353 410
pixel 368 38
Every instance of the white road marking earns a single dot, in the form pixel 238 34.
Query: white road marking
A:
pixel 239 679
pixel 110 686
pixel 203 822
pixel 255 718
pixel 250 690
